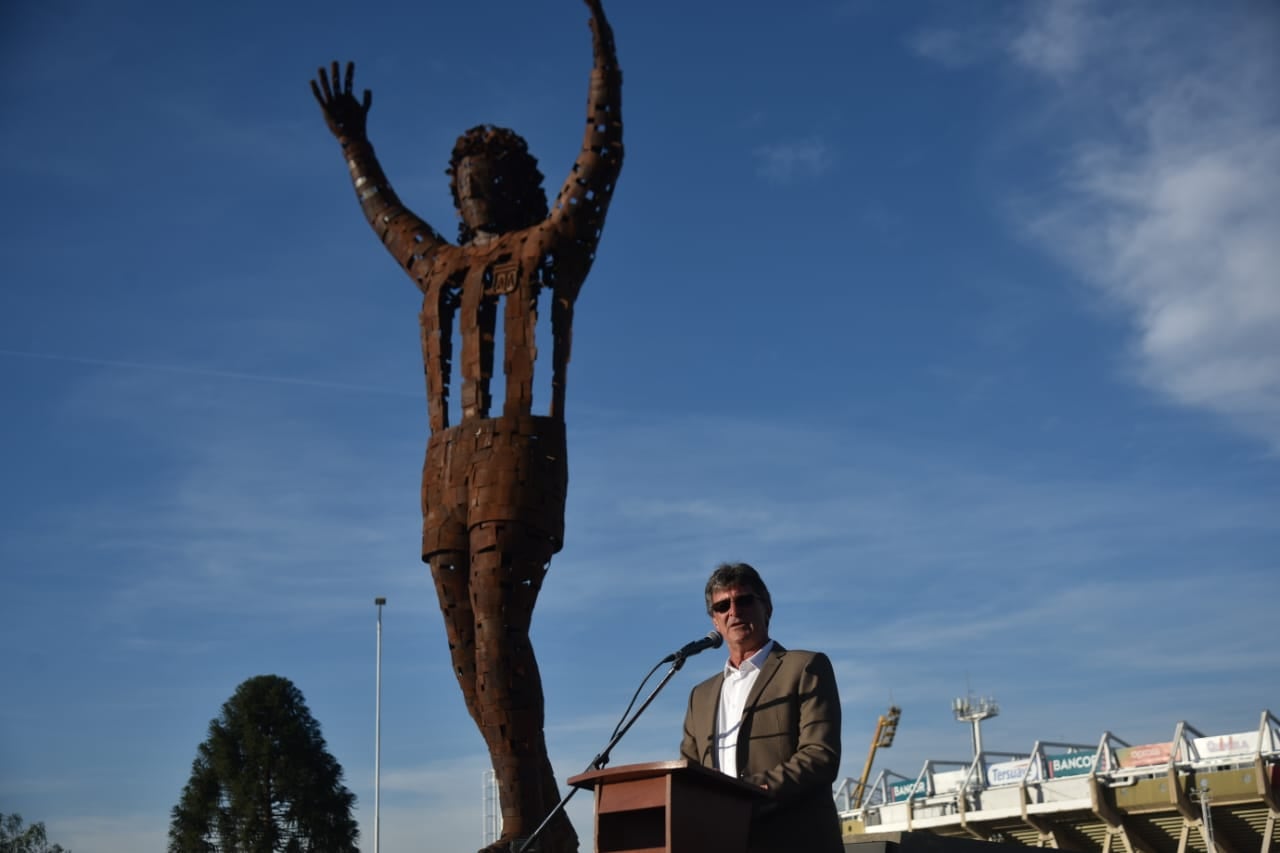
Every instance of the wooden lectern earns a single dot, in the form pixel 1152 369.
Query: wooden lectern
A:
pixel 669 807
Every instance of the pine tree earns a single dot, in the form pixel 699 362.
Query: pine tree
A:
pixel 263 781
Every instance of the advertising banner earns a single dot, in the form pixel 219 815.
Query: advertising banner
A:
pixel 1147 755
pixel 901 790
pixel 1007 772
pixel 1220 746
pixel 1070 764
pixel 945 783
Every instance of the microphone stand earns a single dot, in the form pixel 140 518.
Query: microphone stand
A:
pixel 602 759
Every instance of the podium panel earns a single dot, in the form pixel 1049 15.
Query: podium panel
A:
pixel 669 807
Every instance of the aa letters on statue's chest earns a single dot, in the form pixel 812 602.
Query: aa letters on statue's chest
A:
pixel 502 280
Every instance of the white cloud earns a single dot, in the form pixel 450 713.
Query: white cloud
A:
pixel 1049 37
pixel 1169 198
pixel 789 161
pixel 444 801
pixel 1170 204
pixel 1054 37
pixel 113 834
pixel 952 48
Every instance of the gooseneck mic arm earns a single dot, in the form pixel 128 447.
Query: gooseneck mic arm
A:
pixel 676 659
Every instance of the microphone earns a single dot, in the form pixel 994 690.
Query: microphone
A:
pixel 713 640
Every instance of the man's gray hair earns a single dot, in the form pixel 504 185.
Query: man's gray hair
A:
pixel 729 575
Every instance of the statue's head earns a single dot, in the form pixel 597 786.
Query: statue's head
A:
pixel 495 182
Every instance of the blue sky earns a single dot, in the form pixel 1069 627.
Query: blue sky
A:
pixel 956 320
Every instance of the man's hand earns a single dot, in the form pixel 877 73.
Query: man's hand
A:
pixel 342 112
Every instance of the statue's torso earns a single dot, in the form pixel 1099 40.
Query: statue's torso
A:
pixel 478 295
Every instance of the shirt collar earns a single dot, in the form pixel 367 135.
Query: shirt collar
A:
pixel 751 664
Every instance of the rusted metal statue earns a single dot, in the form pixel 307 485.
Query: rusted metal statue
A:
pixel 493 486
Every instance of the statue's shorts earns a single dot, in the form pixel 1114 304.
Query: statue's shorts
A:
pixel 507 469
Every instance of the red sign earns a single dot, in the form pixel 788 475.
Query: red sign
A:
pixel 1146 755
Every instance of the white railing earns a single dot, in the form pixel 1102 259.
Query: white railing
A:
pixel 1053 771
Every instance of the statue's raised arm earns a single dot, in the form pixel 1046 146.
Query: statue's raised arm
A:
pixel 583 200
pixel 410 240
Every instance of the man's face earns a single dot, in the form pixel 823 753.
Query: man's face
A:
pixel 742 618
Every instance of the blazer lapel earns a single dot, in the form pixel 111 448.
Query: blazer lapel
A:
pixel 767 672
pixel 706 716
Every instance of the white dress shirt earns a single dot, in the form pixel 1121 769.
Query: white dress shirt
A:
pixel 737 685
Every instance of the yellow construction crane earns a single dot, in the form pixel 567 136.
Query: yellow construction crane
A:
pixel 886 728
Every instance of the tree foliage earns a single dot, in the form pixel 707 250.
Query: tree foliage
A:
pixel 264 781
pixel 15 838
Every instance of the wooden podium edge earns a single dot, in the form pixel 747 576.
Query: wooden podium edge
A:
pixel 691 770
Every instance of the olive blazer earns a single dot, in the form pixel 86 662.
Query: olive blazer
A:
pixel 789 742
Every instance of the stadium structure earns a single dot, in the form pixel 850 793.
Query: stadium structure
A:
pixel 1194 792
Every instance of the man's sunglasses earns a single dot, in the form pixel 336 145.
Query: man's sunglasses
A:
pixel 743 601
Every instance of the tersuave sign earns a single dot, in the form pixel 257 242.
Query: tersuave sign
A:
pixel 1007 772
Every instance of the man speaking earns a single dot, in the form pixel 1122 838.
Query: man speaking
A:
pixel 771 718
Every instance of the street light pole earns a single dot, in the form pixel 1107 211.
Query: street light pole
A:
pixel 377 730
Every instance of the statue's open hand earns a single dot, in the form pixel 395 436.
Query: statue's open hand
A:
pixel 342 112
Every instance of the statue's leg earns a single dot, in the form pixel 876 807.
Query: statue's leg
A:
pixel 445 547
pixel 508 562
pixel 451 573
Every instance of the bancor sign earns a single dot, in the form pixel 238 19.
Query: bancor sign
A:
pixel 1070 764
pixel 902 790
